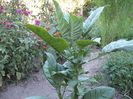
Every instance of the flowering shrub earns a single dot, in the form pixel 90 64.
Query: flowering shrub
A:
pixel 17 49
pixel 37 22
pixel 1 9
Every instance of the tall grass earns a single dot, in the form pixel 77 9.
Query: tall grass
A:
pixel 117 20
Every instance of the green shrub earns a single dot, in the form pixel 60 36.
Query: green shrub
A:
pixel 119 69
pixel 17 53
pixel 18 49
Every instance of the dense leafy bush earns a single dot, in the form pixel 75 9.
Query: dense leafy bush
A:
pixel 18 49
pixel 119 69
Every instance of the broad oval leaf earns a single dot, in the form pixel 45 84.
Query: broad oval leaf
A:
pixel 92 19
pixel 54 72
pixel 36 97
pixel 49 67
pixel 59 44
pixel 100 93
pixel 119 45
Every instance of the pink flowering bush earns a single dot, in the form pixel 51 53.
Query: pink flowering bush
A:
pixel 2 9
pixel 18 49
pixel 37 22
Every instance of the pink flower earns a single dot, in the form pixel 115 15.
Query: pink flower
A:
pixel 37 22
pixel 19 11
pixel 2 9
pixel 8 24
pixel 26 12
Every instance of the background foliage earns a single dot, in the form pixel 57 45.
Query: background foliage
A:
pixel 116 21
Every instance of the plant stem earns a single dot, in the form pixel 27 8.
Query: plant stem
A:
pixel 59 93
pixel 67 58
pixel 75 92
pixel 64 91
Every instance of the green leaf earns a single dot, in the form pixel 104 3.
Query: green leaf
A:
pixel 100 93
pixel 63 25
pixel 1 80
pixel 47 73
pixel 84 43
pixel 50 67
pixel 70 26
pixel 72 82
pixel 76 23
pixel 59 77
pixel 92 19
pixel 36 97
pixel 67 16
pixel 54 72
pixel 18 75
pixel 59 44
pixel 2 73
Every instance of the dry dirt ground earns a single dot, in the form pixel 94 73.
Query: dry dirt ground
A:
pixel 37 85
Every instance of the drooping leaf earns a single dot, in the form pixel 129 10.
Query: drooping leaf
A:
pixel 59 44
pixel 100 93
pixel 47 73
pixel 63 25
pixel 119 45
pixel 36 97
pixel 49 67
pixel 54 72
pixel 84 43
pixel 92 19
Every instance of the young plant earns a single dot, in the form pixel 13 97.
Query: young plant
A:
pixel 73 47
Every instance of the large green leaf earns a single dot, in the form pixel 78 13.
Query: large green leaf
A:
pixel 36 97
pixel 76 24
pixel 121 44
pixel 59 44
pixel 63 25
pixel 70 26
pixel 84 43
pixel 100 93
pixel 54 72
pixel 49 67
pixel 92 19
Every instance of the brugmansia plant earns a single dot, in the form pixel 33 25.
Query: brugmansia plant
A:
pixel 72 46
